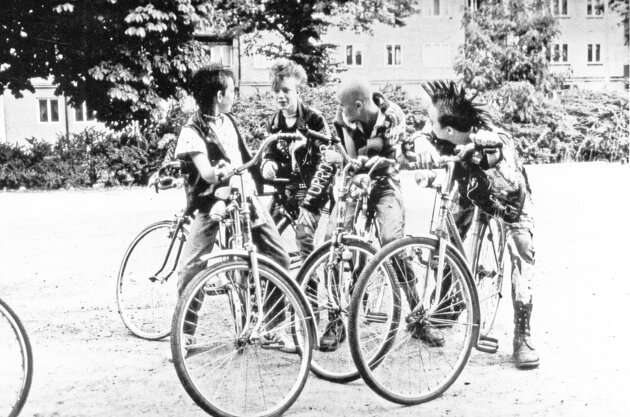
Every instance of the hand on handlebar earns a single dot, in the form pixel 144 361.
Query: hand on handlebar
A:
pixel 428 156
pixel 223 169
pixel 332 157
pixel 463 151
pixel 269 170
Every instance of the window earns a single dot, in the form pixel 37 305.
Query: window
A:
pixel 436 8
pixel 436 55
pixel 560 53
pixel 221 54
pixel 473 4
pixel 593 53
pixel 354 55
pixel 82 113
pixel 594 7
pixel 48 110
pixel 393 55
pixel 560 7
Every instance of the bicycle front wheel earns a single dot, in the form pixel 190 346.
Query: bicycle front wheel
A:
pixel 328 278
pixel 438 326
pixel 233 359
pixel 488 271
pixel 16 366
pixel 146 290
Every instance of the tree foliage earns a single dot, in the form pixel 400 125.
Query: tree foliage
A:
pixel 508 41
pixel 623 8
pixel 120 56
pixel 301 24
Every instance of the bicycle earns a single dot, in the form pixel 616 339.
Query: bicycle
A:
pixel 16 366
pixel 146 282
pixel 415 370
pixel 227 335
pixel 328 276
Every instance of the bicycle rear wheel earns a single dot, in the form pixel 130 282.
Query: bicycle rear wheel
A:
pixel 146 290
pixel 417 367
pixel 227 368
pixel 327 278
pixel 488 271
pixel 16 365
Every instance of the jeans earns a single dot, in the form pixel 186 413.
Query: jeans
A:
pixel 389 214
pixel 520 245
pixel 200 242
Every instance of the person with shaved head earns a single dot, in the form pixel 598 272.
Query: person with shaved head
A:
pixel 369 125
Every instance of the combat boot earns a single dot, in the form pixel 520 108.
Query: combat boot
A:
pixel 525 355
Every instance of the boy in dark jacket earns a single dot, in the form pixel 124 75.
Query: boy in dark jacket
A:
pixel 496 181
pixel 298 162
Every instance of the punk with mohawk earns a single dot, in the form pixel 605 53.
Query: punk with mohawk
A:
pixel 495 181
pixel 454 109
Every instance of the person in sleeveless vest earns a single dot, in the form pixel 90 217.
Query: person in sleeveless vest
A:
pixel 209 146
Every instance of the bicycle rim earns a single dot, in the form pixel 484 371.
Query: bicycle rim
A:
pixel 16 366
pixel 329 297
pixel 146 291
pixel 488 272
pixel 415 368
pixel 225 371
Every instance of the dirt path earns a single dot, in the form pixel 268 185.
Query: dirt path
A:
pixel 59 253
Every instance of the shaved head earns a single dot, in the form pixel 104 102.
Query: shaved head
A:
pixel 355 99
pixel 354 89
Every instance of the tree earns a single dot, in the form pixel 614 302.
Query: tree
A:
pixel 505 41
pixel 119 56
pixel 303 23
pixel 623 8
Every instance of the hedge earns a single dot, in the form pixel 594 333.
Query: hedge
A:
pixel 575 126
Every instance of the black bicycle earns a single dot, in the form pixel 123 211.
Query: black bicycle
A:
pixel 16 362
pixel 146 285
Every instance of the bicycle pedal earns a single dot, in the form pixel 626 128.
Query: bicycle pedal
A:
pixel 376 317
pixel 487 344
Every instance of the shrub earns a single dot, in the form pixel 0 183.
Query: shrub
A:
pixel 580 126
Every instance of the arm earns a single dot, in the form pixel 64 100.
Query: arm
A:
pixel 191 145
pixel 428 156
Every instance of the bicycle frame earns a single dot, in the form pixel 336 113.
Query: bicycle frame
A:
pixel 238 224
pixel 339 232
pixel 445 230
pixel 180 221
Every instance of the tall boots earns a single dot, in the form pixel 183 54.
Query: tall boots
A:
pixel 525 356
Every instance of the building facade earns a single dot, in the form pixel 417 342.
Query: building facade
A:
pixel 42 115
pixel 591 46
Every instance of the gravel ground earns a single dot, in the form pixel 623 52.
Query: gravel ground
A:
pixel 59 253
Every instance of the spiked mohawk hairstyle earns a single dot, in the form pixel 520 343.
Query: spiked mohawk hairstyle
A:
pixel 454 109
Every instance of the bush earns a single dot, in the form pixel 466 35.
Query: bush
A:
pixel 577 126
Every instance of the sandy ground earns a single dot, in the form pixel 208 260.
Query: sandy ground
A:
pixel 59 253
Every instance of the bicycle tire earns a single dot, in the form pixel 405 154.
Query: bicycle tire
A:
pixel 338 366
pixel 218 322
pixel 23 386
pixel 410 372
pixel 488 271
pixel 146 301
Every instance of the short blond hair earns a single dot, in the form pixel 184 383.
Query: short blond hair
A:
pixel 285 68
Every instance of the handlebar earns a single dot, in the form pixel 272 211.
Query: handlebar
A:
pixel 164 179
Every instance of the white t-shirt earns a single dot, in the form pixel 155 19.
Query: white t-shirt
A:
pixel 190 142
